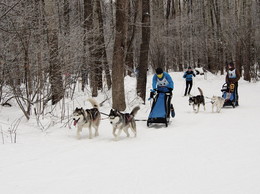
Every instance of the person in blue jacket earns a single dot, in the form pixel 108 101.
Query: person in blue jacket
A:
pixel 162 81
pixel 188 75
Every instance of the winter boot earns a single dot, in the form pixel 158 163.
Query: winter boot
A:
pixel 172 111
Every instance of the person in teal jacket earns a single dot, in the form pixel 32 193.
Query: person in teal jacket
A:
pixel 162 82
pixel 188 75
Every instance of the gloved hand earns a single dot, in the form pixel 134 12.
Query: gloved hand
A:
pixel 153 90
pixel 151 94
pixel 170 89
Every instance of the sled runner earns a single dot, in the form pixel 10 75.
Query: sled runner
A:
pixel 161 108
pixel 229 94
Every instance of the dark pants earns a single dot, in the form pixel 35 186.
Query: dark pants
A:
pixel 168 98
pixel 188 87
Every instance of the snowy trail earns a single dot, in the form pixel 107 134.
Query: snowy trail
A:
pixel 198 153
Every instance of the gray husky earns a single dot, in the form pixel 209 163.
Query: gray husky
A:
pixel 122 121
pixel 217 102
pixel 87 118
pixel 197 101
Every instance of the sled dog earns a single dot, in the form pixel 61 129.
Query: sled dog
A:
pixel 87 118
pixel 122 121
pixel 217 102
pixel 197 101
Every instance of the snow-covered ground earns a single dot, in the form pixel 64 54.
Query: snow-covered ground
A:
pixel 198 153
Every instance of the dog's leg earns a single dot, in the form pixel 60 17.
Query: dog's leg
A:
pixel 194 107
pixel 96 130
pixel 78 132
pixel 133 127
pixel 90 132
pixel 198 108
pixel 118 134
pixel 219 108
pixel 212 107
pixel 114 131
pixel 126 131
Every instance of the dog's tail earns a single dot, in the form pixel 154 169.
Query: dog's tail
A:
pixel 201 93
pixel 94 103
pixel 135 110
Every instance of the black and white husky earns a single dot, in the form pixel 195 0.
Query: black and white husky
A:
pixel 217 102
pixel 122 121
pixel 87 118
pixel 197 101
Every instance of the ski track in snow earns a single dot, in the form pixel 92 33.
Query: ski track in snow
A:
pixel 198 153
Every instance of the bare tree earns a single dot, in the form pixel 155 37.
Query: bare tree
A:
pixel 144 50
pixel 102 44
pixel 57 91
pixel 118 90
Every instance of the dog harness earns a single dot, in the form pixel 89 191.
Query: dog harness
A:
pixel 93 113
pixel 127 118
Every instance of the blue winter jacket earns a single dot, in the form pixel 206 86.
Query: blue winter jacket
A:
pixel 164 83
pixel 188 75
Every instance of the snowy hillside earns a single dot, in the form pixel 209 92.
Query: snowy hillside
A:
pixel 197 154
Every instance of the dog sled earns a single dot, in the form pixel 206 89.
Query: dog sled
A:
pixel 229 94
pixel 161 108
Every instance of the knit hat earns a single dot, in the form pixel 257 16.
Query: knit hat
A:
pixel 189 67
pixel 231 64
pixel 159 70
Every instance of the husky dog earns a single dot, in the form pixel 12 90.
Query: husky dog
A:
pixel 197 100
pixel 87 118
pixel 217 102
pixel 122 121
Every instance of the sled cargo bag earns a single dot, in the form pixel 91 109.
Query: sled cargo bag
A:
pixel 160 109
pixel 229 94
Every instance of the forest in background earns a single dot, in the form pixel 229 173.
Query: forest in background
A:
pixel 48 46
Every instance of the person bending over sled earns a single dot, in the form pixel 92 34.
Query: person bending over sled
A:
pixel 188 76
pixel 162 82
pixel 232 77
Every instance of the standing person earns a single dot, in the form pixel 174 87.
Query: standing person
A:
pixel 232 77
pixel 162 82
pixel 188 76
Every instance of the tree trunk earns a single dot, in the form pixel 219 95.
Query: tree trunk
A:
pixel 118 90
pixel 131 33
pixel 219 38
pixel 87 25
pixel 157 46
pixel 66 16
pixel 99 42
pixel 144 50
pixel 57 91
pixel 90 41
pixel 248 41
pixel 103 46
